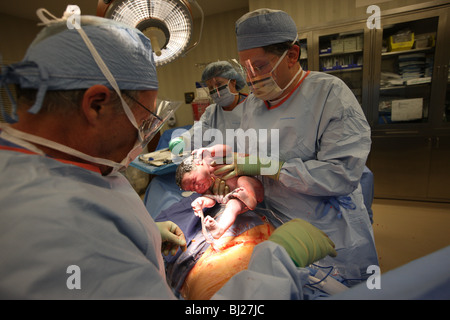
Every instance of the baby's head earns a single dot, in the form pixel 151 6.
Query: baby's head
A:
pixel 194 175
pixel 186 166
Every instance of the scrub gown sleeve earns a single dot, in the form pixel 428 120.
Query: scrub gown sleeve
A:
pixel 343 146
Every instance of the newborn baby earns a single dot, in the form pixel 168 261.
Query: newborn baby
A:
pixel 197 174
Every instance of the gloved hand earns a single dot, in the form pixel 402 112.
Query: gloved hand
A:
pixel 220 188
pixel 303 242
pixel 172 237
pixel 177 145
pixel 245 165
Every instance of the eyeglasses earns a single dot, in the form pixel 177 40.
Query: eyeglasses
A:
pixel 260 67
pixel 141 105
pixel 149 127
pixel 218 89
pixel 254 70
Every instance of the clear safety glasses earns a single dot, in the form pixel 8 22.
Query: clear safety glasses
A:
pixel 257 69
pixel 218 89
pixel 149 127
pixel 263 66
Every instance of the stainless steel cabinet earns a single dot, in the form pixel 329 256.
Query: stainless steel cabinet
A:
pixel 400 75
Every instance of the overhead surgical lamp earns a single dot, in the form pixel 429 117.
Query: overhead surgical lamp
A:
pixel 167 23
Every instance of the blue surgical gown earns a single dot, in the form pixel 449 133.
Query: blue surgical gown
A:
pixel 324 140
pixel 54 215
pixel 215 117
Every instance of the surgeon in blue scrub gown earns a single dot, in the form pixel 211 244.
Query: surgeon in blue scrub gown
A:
pixel 224 82
pixel 322 144
pixel 71 226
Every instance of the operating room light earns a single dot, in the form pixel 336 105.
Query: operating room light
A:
pixel 167 23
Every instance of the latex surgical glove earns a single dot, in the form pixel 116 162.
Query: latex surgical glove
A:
pixel 172 237
pixel 177 145
pixel 250 166
pixel 220 188
pixel 303 242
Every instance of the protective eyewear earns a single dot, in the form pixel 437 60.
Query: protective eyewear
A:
pixel 218 89
pixel 149 127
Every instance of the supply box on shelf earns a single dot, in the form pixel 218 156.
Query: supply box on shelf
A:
pixel 402 45
pixel 348 44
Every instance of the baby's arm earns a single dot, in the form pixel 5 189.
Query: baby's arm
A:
pixel 202 202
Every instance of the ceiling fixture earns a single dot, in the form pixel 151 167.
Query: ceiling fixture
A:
pixel 167 23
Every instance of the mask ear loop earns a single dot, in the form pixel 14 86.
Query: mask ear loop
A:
pixel 41 12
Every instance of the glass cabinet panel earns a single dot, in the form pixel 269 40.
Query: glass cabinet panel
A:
pixel 304 54
pixel 407 61
pixel 341 54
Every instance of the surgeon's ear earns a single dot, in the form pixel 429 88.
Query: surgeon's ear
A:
pixel 94 101
pixel 293 55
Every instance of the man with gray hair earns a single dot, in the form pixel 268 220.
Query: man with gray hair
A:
pixel 71 225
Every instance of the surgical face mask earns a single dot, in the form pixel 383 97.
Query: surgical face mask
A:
pixel 222 95
pixel 265 87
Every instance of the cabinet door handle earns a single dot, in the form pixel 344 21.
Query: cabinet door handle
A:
pixel 437 143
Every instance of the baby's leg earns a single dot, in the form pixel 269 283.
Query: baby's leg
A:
pixel 227 218
pixel 250 191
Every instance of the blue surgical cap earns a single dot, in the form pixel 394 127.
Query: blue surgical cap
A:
pixel 264 27
pixel 225 70
pixel 58 59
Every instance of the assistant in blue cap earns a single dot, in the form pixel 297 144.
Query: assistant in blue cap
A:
pixel 224 82
pixel 264 27
pixel 223 69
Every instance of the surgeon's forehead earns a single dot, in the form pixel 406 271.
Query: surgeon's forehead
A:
pixel 253 55
pixel 216 81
